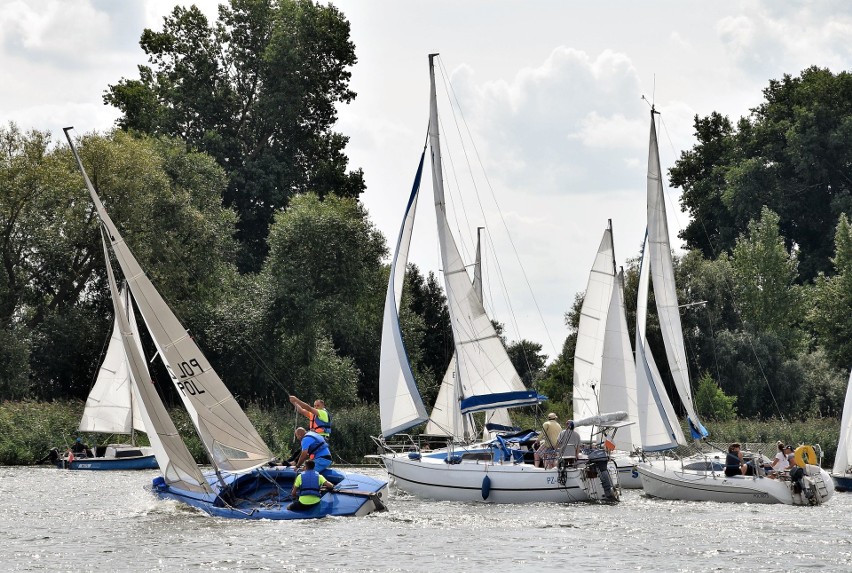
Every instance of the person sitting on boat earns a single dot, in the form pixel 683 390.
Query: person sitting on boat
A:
pixel 307 488
pixel 314 447
pixel 295 452
pixel 546 454
pixel 568 442
pixel 319 420
pixel 780 462
pixel 734 464
pixel 80 449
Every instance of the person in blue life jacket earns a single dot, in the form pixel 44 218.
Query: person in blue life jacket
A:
pixel 319 420
pixel 314 447
pixel 307 489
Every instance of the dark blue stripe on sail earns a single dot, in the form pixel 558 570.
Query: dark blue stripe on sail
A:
pixel 501 400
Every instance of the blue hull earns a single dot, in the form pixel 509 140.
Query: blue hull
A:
pixel 264 493
pixel 107 464
pixel 842 482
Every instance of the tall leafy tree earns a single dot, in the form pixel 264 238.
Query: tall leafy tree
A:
pixel 793 154
pixel 528 361
pixel 832 302
pixel 765 274
pixel 256 90
pixel 323 287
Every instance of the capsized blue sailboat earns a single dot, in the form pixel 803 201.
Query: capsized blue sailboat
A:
pixel 243 484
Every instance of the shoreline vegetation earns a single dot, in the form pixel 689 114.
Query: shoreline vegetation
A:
pixel 28 429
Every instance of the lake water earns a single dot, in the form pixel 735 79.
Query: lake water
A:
pixel 54 520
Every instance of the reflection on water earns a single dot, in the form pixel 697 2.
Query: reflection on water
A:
pixel 105 521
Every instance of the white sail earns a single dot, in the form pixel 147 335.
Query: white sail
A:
pixel 662 276
pixel 400 405
pixel 176 463
pixel 446 418
pixel 483 363
pixel 110 407
pixel 230 439
pixel 844 446
pixel 618 372
pixel 588 354
pixel 657 419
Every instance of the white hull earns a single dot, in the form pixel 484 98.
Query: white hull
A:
pixel 669 481
pixel 628 475
pixel 432 478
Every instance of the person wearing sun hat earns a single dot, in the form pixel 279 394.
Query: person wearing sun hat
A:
pixel 545 454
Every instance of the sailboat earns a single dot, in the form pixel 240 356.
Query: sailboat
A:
pixel 604 375
pixel 245 483
pixel 693 479
pixel 486 380
pixel 842 470
pixel 111 409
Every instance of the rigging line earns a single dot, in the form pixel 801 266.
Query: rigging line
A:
pixel 506 227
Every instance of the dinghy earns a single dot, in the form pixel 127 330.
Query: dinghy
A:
pixel 245 483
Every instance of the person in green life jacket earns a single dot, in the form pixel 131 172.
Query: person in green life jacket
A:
pixel 318 417
pixel 307 489
pixel 315 448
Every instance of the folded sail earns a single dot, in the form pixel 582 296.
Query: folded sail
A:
pixel 400 405
pixel 662 275
pixel 226 432
pixel 176 463
pixel 110 407
pixel 591 331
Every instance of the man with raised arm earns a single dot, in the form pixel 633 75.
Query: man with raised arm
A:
pixel 318 417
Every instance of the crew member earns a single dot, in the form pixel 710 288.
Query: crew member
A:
pixel 307 488
pixel 319 420
pixel 314 447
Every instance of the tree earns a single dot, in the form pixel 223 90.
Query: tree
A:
pixel 793 154
pixel 831 305
pixel 323 285
pixel 712 402
pixel 257 91
pixel 528 361
pixel 765 275
pixel 53 296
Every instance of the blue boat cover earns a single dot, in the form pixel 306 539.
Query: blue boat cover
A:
pixel 501 400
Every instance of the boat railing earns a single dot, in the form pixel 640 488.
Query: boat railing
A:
pixel 397 444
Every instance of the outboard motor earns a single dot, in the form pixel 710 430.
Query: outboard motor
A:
pixel 599 459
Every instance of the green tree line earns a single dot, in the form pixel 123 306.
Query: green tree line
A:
pixel 231 186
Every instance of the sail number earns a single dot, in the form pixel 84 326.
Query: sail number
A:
pixel 187 382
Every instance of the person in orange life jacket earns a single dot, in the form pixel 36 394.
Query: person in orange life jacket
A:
pixel 308 487
pixel 318 417
pixel 314 447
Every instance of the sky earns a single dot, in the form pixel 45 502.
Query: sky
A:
pixel 548 94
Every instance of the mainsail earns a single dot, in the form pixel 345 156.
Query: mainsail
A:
pixel 483 363
pixel 178 467
pixel 230 439
pixel 111 407
pixel 588 354
pixel 662 276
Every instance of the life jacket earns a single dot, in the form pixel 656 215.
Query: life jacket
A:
pixel 319 425
pixel 318 447
pixel 310 485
